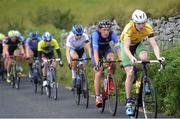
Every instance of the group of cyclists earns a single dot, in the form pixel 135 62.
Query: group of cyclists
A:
pixel 129 45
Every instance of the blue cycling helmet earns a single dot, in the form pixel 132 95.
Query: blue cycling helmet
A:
pixel 77 30
pixel 33 35
pixel 47 36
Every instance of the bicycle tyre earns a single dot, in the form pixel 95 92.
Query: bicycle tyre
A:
pixel 138 101
pixel 17 82
pixel 14 75
pixel 76 94
pixel 149 101
pixel 112 96
pixel 103 104
pixel 35 84
pixel 54 87
pixel 103 95
pixel 85 88
pixel 48 89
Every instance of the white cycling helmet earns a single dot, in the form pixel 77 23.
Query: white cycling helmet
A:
pixel 139 16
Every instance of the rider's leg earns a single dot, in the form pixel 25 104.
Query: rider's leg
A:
pixel 74 55
pixel 129 80
pixel 98 75
pixel 30 55
pixel 18 59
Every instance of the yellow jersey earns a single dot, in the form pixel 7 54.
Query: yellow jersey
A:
pixel 134 35
pixel 48 48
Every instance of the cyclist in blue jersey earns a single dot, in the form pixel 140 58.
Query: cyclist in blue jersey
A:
pixel 101 49
pixel 31 48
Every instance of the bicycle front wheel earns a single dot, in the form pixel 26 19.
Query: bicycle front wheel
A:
pixel 48 89
pixel 149 101
pixel 76 94
pixel 17 82
pixel 112 95
pixel 85 89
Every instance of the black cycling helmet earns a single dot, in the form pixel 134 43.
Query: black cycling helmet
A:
pixel 104 24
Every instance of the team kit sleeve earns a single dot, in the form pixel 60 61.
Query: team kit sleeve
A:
pixel 115 40
pixel 68 43
pixel 86 38
pixel 40 45
pixel 56 44
pixel 95 38
pixel 149 31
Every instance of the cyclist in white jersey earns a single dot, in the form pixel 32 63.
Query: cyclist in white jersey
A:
pixel 75 43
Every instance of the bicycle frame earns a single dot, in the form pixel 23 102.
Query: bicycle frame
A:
pixel 109 90
pixel 141 94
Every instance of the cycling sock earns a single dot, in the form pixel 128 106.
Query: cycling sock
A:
pixel 98 97
pixel 73 73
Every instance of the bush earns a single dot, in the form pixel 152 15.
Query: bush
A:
pixel 61 20
pixel 167 82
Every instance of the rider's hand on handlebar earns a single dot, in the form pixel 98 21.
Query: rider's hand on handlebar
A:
pixel 133 60
pixel 96 68
pixel 69 65
pixel 161 60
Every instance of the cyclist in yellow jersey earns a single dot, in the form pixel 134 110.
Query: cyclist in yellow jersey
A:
pixel 46 49
pixel 132 43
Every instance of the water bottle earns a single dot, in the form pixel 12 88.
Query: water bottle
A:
pixel 138 84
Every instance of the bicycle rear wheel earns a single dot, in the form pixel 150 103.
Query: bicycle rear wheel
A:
pixel 85 89
pixel 149 101
pixel 112 95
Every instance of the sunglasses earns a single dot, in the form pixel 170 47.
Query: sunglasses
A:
pixel 78 34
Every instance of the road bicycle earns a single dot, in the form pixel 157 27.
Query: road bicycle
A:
pixel 109 89
pixel 81 90
pixel 52 84
pixel 37 75
pixel 145 94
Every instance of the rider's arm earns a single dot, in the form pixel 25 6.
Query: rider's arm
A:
pixel 58 53
pixel 127 43
pixel 40 50
pixel 68 54
pixel 155 47
pixel 5 49
pixel 88 47
pixel 117 45
pixel 95 38
pixel 27 48
pixel 22 49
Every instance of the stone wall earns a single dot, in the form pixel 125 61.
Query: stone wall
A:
pixel 167 30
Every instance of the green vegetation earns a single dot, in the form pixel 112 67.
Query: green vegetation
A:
pixel 55 15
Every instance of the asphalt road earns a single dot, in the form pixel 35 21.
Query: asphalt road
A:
pixel 24 103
